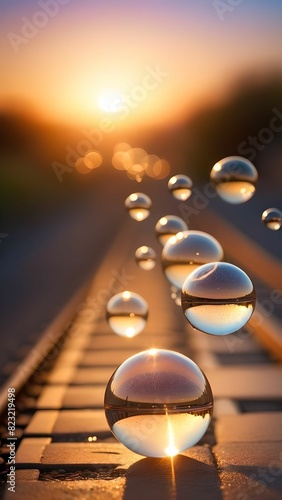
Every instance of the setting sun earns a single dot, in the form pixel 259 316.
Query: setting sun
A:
pixel 135 63
pixel 109 101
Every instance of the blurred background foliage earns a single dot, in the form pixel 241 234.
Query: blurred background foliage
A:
pixel 29 146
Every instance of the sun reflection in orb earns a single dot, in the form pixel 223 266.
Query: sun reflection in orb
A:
pixel 153 351
pixel 171 449
pixel 126 295
pixel 92 439
pixel 130 332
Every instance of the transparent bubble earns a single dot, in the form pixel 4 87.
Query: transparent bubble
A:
pixel 145 257
pixel 185 252
pixel 168 226
pixel 218 298
pixel 138 206
pixel 234 179
pixel 272 218
pixel 180 187
pixel 158 403
pixel 127 313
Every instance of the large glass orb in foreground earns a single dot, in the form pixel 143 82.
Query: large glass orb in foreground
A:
pixel 158 403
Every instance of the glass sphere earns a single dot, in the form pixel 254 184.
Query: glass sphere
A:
pixel 168 226
pixel 180 187
pixel 158 403
pixel 145 257
pixel 272 218
pixel 186 251
pixel 138 206
pixel 218 298
pixel 234 179
pixel 127 313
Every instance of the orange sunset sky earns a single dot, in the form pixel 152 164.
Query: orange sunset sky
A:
pixel 79 61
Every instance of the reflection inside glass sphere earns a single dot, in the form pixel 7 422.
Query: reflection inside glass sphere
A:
pixel 158 403
pixel 138 206
pixel 272 218
pixel 234 178
pixel 185 252
pixel 145 257
pixel 218 298
pixel 180 187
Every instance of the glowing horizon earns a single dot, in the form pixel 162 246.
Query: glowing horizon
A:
pixel 132 65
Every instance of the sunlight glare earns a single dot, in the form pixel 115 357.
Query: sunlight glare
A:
pixel 110 101
pixel 140 215
pixel 130 332
pixel 171 449
pixel 153 351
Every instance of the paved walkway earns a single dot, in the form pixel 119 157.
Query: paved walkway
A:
pixel 67 450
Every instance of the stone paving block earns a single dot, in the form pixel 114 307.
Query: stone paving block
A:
pixel 42 423
pixel 32 450
pixel 110 341
pixel 69 490
pixel 82 326
pixel 23 475
pixel 125 474
pixel 250 471
pixel 225 407
pixel 100 456
pixel 84 397
pixel 205 359
pixel 70 397
pixel 172 340
pixel 93 375
pixel 68 423
pixel 60 375
pixel 235 343
pixel 249 427
pixel 79 376
pixel 51 397
pixel 76 342
pixel 69 358
pixel 111 358
pixel 244 382
pixel 140 342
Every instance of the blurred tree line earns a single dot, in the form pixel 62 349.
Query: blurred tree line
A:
pixel 29 146
pixel 242 124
